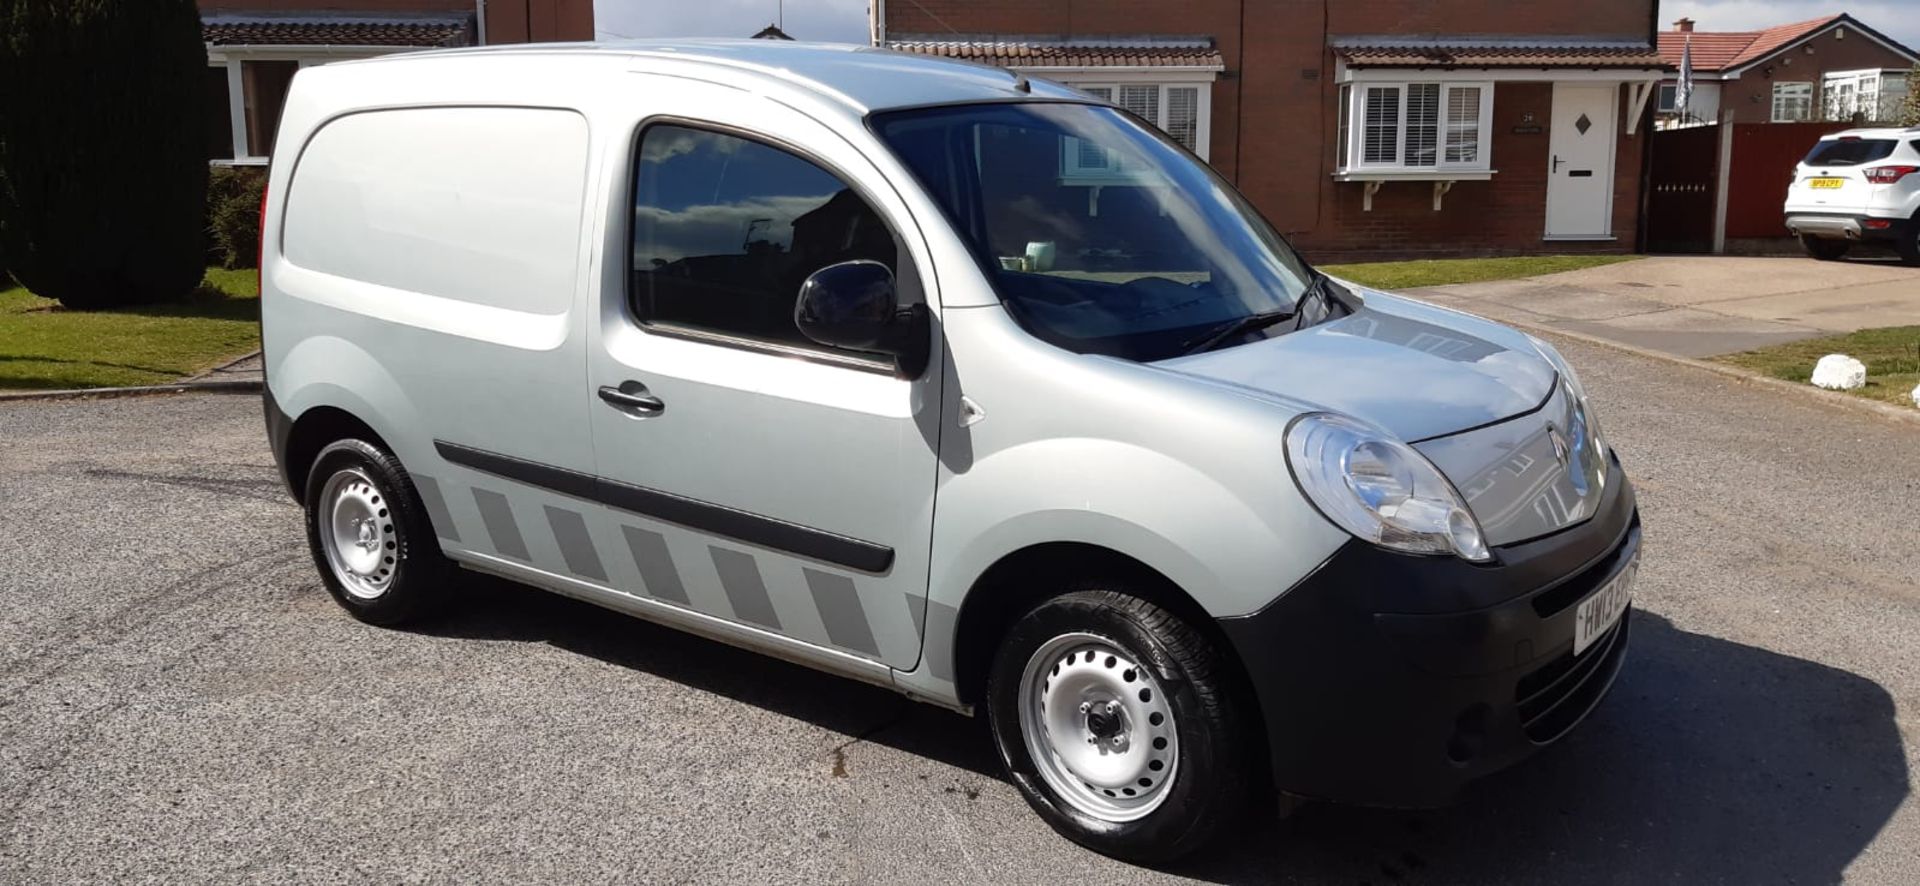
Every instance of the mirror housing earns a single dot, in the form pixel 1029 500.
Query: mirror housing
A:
pixel 854 305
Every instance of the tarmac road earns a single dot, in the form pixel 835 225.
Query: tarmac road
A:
pixel 180 701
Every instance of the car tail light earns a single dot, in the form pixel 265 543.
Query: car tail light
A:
pixel 1876 224
pixel 260 257
pixel 1886 175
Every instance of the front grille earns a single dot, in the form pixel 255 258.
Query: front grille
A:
pixel 1552 699
pixel 1550 602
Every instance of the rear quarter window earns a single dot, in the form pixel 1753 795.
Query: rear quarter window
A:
pixel 1850 151
pixel 477 204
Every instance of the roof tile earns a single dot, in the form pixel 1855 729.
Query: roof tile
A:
pixel 1499 55
pixel 1721 50
pixel 1043 53
pixel 279 31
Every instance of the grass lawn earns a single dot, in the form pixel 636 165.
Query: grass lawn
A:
pixel 1892 355
pixel 1439 272
pixel 45 347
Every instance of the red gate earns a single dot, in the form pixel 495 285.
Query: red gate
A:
pixel 1764 155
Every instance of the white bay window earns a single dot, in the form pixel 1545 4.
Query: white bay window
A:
pixel 1181 110
pixel 1415 127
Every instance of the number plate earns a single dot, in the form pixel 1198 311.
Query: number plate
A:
pixel 1822 184
pixel 1602 608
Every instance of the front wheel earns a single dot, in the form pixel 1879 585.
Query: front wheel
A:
pixel 1119 723
pixel 1823 248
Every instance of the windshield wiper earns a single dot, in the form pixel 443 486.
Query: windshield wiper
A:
pixel 1231 328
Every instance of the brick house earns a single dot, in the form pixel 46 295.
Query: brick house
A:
pixel 1452 127
pixel 1828 68
pixel 254 47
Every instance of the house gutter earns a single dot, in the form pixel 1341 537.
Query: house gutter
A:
pixel 876 22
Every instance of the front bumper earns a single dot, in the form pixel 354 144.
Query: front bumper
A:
pixel 1843 226
pixel 1367 702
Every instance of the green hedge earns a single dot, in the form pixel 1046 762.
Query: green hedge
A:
pixel 233 215
pixel 103 149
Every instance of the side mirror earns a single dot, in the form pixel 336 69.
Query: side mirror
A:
pixel 853 305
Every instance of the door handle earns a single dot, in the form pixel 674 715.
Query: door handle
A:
pixel 1556 164
pixel 632 396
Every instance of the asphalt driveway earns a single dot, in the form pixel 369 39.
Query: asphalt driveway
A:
pixel 1702 306
pixel 181 702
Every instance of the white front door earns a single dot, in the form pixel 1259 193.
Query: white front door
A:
pixel 1580 166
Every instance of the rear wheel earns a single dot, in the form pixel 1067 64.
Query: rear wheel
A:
pixel 1117 721
pixel 370 536
pixel 1823 248
pixel 1909 243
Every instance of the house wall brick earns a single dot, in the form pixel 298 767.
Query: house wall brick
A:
pixel 1502 215
pixel 1275 109
pixel 1750 98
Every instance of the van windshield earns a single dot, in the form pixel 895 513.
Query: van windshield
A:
pixel 1100 235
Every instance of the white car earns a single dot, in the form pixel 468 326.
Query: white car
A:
pixel 1858 185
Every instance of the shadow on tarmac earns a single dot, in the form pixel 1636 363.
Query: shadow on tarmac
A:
pixel 1711 761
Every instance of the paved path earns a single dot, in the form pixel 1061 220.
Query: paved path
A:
pixel 181 702
pixel 1700 306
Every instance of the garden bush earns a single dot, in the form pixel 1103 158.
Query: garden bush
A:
pixel 233 215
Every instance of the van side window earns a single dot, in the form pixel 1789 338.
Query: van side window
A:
pixel 725 230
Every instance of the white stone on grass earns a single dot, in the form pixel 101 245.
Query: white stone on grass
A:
pixel 1915 395
pixel 1839 372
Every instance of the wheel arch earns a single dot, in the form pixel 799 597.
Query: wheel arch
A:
pixel 311 432
pixel 1021 579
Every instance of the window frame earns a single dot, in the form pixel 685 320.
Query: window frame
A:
pixel 906 275
pixel 1867 92
pixel 1351 157
pixel 1202 112
pixel 1773 107
pixel 1667 99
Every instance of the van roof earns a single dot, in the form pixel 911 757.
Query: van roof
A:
pixel 862 77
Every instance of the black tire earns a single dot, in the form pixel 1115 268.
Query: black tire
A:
pixel 1909 243
pixel 1213 788
pixel 1823 248
pixel 418 576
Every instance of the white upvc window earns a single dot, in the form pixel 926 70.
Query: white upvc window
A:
pixel 1669 102
pixel 1183 111
pixel 1874 94
pixel 1792 102
pixel 1415 126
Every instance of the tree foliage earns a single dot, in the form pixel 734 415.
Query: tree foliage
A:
pixel 103 169
pixel 1909 111
pixel 233 215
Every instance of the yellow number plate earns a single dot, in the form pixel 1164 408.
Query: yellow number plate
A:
pixel 1825 183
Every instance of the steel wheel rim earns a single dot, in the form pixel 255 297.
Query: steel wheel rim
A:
pixel 1098 727
pixel 358 534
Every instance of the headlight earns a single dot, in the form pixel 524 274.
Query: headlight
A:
pixel 1379 488
pixel 1586 413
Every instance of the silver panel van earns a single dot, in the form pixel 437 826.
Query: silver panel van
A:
pixel 936 377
